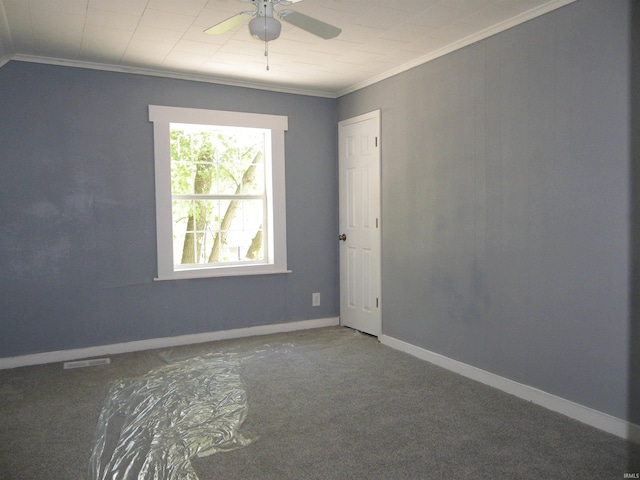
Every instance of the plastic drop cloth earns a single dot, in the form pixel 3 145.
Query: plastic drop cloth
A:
pixel 152 426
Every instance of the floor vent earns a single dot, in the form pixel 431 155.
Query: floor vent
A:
pixel 87 363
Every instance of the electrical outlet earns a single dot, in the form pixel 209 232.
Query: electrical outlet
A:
pixel 315 299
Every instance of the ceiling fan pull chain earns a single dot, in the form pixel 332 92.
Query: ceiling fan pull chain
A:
pixel 266 42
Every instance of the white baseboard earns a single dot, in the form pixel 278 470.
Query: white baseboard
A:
pixel 114 349
pixel 589 416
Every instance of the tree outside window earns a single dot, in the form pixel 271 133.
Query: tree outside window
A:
pixel 218 194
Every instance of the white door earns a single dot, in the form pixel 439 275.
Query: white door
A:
pixel 359 236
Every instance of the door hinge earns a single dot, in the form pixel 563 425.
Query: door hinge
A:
pixel 376 141
pixel 377 302
pixel 376 223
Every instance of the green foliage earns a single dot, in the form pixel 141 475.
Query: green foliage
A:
pixel 208 162
pixel 221 155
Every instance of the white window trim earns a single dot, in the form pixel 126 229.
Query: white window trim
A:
pixel 161 117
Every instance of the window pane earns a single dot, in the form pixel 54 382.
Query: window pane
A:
pixel 192 162
pixel 194 222
pixel 209 232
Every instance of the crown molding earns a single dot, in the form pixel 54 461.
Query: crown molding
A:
pixel 476 37
pixel 173 75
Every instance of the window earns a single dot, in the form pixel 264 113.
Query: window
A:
pixel 220 192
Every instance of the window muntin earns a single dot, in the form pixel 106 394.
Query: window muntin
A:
pixel 218 194
pixel 220 200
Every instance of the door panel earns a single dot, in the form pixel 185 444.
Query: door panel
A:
pixel 360 276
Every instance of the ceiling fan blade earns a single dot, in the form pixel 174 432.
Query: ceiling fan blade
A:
pixel 229 23
pixel 310 24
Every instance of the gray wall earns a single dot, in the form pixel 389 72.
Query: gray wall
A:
pixel 77 217
pixel 506 202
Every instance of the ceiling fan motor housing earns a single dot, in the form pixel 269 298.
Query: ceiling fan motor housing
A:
pixel 264 27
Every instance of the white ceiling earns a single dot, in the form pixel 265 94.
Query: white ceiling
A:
pixel 379 38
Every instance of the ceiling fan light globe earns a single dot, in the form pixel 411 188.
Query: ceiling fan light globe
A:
pixel 265 28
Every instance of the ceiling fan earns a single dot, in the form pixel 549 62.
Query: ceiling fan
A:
pixel 264 26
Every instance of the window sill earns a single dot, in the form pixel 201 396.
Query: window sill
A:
pixel 218 273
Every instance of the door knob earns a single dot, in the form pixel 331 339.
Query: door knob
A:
pixel 343 237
